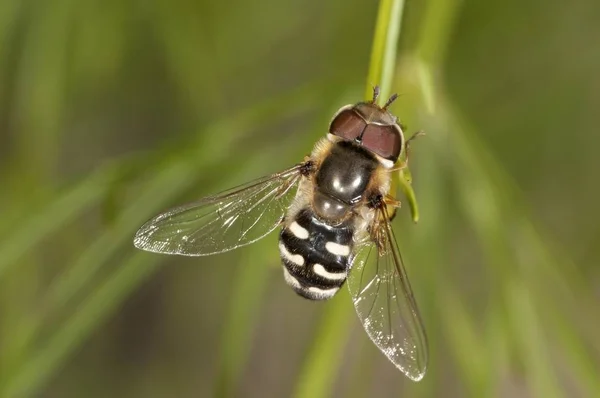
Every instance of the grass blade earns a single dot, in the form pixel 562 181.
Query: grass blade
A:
pixel 64 209
pixel 323 361
pixel 169 181
pixel 383 52
pixel 324 356
pixel 89 315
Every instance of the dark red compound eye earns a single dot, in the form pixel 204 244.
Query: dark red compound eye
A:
pixel 347 124
pixel 385 141
pixel 370 126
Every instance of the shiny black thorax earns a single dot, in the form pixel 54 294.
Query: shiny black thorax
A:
pixel 342 179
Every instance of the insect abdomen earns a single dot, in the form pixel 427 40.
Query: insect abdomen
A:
pixel 315 256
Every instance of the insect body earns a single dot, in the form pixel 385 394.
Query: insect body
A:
pixel 317 238
pixel 334 210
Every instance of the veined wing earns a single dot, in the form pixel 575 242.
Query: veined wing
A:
pixel 223 222
pixel 384 301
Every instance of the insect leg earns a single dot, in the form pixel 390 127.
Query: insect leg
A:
pixel 404 163
pixel 391 204
pixel 415 135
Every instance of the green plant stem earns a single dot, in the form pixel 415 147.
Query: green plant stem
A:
pixel 383 52
pixel 249 287
pixel 325 353
pixel 436 28
pixel 466 343
pixel 322 362
pixel 247 291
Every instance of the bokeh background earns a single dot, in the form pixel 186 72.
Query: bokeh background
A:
pixel 111 111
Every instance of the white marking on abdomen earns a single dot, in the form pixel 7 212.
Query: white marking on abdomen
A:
pixel 323 293
pixel 298 231
pixel 293 258
pixel 293 282
pixel 321 271
pixel 337 249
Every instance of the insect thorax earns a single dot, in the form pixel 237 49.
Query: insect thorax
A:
pixel 342 179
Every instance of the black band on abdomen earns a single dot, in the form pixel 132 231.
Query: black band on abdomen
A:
pixel 315 255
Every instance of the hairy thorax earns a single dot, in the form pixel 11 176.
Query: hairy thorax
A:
pixel 346 177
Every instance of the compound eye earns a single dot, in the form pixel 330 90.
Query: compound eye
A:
pixel 347 124
pixel 385 141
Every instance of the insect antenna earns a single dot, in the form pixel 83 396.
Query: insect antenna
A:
pixel 376 91
pixel 389 101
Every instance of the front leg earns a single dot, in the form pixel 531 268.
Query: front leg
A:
pixel 404 163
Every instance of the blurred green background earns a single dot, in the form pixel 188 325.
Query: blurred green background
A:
pixel 112 111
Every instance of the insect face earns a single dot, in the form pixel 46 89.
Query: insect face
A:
pixel 372 127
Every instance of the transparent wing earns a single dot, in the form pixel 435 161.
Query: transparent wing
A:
pixel 384 301
pixel 223 222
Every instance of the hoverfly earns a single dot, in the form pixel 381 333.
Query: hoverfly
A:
pixel 334 210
